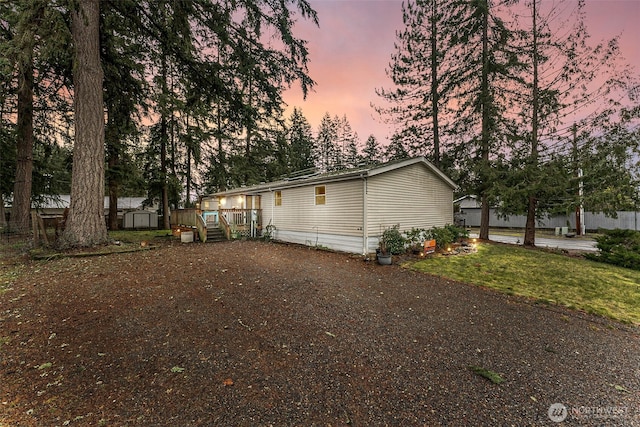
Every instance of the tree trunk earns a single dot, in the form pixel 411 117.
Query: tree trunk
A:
pixel 435 95
pixel 222 175
pixel 113 206
pixel 113 162
pixel 530 227
pixel 485 138
pixel 164 139
pixel 166 224
pixel 21 209
pixel 187 202
pixel 114 189
pixel 3 215
pixel 484 218
pixel 86 223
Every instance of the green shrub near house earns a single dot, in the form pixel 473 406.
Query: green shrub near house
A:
pixel 443 236
pixel 446 235
pixel 392 241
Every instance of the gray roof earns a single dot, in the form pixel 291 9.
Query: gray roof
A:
pixel 465 197
pixel 343 175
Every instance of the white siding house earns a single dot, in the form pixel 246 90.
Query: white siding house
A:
pixel 346 210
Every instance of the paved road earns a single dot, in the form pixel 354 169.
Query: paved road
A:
pixel 574 244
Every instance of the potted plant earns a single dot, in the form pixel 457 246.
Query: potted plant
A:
pixel 383 255
pixel 391 243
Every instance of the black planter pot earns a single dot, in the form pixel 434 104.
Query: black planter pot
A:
pixel 384 259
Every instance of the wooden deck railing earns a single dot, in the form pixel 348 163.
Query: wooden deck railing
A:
pixel 234 222
pixel 225 227
pixel 202 227
pixel 246 222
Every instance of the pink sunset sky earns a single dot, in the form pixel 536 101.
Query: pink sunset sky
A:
pixel 352 47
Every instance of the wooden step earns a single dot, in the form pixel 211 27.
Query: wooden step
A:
pixel 214 234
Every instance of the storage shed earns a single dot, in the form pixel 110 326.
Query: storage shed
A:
pixel 140 219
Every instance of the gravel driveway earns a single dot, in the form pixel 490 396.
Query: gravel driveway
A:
pixel 256 334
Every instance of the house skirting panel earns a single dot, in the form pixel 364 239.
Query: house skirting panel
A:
pixel 335 242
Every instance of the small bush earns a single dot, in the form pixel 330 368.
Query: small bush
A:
pixel 393 241
pixel 415 238
pixel 618 247
pixel 268 232
pixel 446 235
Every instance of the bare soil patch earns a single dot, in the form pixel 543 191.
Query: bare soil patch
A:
pixel 250 333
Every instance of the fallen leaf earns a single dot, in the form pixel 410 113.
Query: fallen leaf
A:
pixel 620 388
pixel 494 377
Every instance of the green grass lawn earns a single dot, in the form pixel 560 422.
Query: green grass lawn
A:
pixel 552 278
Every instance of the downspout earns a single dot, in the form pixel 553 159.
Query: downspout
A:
pixel 365 237
pixel 273 203
pixel 272 221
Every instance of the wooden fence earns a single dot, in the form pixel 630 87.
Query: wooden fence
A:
pixel 191 218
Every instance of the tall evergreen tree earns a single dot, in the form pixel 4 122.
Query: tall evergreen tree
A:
pixel 483 49
pixel 396 150
pixel 371 152
pixel 279 163
pixel 346 143
pixel 352 156
pixel 238 84
pixel 608 159
pixel 124 96
pixel 172 47
pixel 7 146
pixel 7 165
pixel 421 73
pixel 557 81
pixel 194 134
pixel 29 16
pixel 300 139
pixel 238 70
pixel 85 224
pixel 326 149
pixel 33 48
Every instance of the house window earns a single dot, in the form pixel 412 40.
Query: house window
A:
pixel 277 198
pixel 320 195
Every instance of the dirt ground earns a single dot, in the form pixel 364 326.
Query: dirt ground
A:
pixel 259 334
